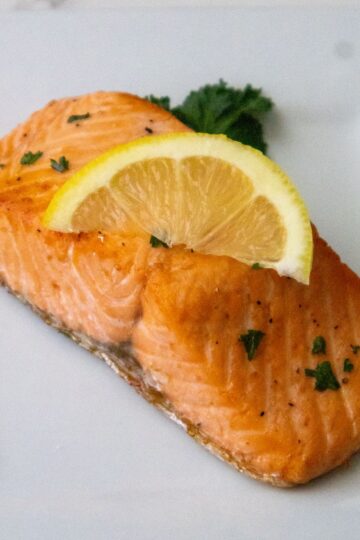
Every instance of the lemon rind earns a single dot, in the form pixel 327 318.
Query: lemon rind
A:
pixel 277 187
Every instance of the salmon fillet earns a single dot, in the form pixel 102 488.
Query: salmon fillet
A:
pixel 169 321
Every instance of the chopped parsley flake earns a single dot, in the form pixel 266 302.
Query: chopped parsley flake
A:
pixel 348 366
pixel 29 158
pixel 60 166
pixel 257 266
pixel 251 341
pixel 76 117
pixel 324 377
pixel 155 242
pixel 319 345
pixel 355 348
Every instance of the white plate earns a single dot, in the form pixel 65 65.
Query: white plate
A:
pixel 81 455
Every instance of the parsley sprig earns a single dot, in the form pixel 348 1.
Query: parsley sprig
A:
pixel 220 108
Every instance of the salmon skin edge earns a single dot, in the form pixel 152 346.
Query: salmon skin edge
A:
pixel 120 359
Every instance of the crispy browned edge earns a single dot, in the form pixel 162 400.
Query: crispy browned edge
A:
pixel 121 360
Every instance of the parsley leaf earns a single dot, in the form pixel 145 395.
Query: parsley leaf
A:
pixel 319 345
pixel 348 366
pixel 248 130
pixel 163 101
pixel 220 108
pixel 251 341
pixel 29 158
pixel 324 377
pixel 355 348
pixel 155 242
pixel 77 117
pixel 60 166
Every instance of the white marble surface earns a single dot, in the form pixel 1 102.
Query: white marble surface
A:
pixel 6 5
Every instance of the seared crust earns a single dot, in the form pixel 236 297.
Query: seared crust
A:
pixel 125 365
pixel 179 314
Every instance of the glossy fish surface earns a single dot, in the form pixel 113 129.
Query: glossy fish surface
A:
pixel 170 321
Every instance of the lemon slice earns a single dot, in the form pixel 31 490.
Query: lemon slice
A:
pixel 206 192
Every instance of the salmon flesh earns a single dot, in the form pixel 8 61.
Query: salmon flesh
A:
pixel 169 320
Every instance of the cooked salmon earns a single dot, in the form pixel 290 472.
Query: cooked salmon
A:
pixel 170 321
